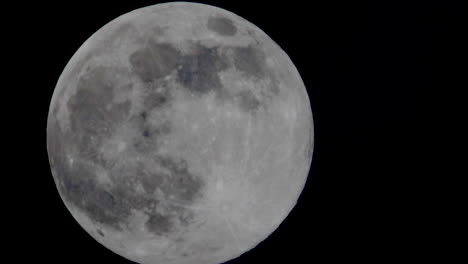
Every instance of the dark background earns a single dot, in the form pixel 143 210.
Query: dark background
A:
pixel 367 66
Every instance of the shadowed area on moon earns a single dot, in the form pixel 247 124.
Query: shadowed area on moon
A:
pixel 108 152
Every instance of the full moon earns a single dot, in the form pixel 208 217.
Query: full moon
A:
pixel 180 133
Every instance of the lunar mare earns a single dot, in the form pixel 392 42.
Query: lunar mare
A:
pixel 180 133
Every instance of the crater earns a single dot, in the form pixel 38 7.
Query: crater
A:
pixel 159 224
pixel 154 61
pixel 100 232
pixel 221 25
pixel 249 60
pixel 198 71
pixel 247 101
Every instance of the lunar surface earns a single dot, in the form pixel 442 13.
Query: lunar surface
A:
pixel 180 133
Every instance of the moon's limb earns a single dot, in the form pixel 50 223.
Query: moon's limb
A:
pixel 180 133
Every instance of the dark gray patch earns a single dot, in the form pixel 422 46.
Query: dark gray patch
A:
pixel 103 206
pixel 108 206
pixel 77 183
pixel 247 101
pixel 147 138
pixel 112 205
pixel 154 61
pixel 156 99
pixel 90 119
pixel 221 25
pixel 198 72
pixel 150 181
pixel 159 224
pixel 274 87
pixel 145 133
pixel 96 50
pixel 125 186
pixel 144 116
pixel 100 232
pixel 250 60
pixel 180 182
pixel 174 180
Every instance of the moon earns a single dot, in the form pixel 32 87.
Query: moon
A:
pixel 180 133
